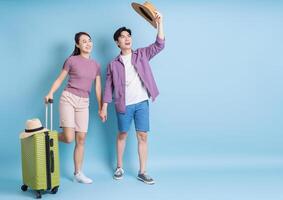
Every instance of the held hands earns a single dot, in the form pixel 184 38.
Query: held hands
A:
pixel 103 114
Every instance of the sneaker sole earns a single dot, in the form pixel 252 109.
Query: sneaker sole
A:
pixel 149 183
pixel 75 180
pixel 117 178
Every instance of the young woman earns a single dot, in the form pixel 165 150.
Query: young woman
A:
pixel 74 101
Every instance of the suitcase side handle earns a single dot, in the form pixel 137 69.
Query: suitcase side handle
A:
pixel 52 161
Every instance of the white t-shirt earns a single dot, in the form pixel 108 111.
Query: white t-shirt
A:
pixel 135 90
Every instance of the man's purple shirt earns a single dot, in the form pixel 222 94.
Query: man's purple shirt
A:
pixel 115 77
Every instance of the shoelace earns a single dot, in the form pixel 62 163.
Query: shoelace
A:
pixel 147 177
pixel 119 171
pixel 83 176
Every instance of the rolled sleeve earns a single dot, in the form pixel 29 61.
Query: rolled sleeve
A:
pixel 154 48
pixel 160 41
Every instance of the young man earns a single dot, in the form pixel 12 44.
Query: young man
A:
pixel 129 76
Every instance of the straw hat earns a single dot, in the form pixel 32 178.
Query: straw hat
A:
pixel 147 11
pixel 33 126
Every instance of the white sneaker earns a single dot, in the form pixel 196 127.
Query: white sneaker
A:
pixel 81 178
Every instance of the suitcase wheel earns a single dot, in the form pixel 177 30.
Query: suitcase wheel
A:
pixel 38 194
pixel 24 188
pixel 54 190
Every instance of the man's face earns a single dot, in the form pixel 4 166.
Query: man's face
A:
pixel 124 41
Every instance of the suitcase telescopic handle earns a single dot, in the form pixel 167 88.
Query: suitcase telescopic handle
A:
pixel 50 101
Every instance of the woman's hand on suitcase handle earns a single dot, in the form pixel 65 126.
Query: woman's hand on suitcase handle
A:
pixel 49 98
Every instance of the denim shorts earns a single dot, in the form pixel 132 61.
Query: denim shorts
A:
pixel 139 112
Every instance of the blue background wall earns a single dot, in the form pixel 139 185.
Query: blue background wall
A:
pixel 216 125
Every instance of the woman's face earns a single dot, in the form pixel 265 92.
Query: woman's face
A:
pixel 85 44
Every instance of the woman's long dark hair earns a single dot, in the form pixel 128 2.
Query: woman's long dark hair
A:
pixel 77 51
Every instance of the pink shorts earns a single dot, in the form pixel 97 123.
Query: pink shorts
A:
pixel 74 112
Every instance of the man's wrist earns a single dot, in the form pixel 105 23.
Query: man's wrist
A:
pixel 104 107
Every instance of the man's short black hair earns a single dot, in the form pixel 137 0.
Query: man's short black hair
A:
pixel 119 31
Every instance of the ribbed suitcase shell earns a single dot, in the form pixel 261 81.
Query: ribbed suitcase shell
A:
pixel 34 169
